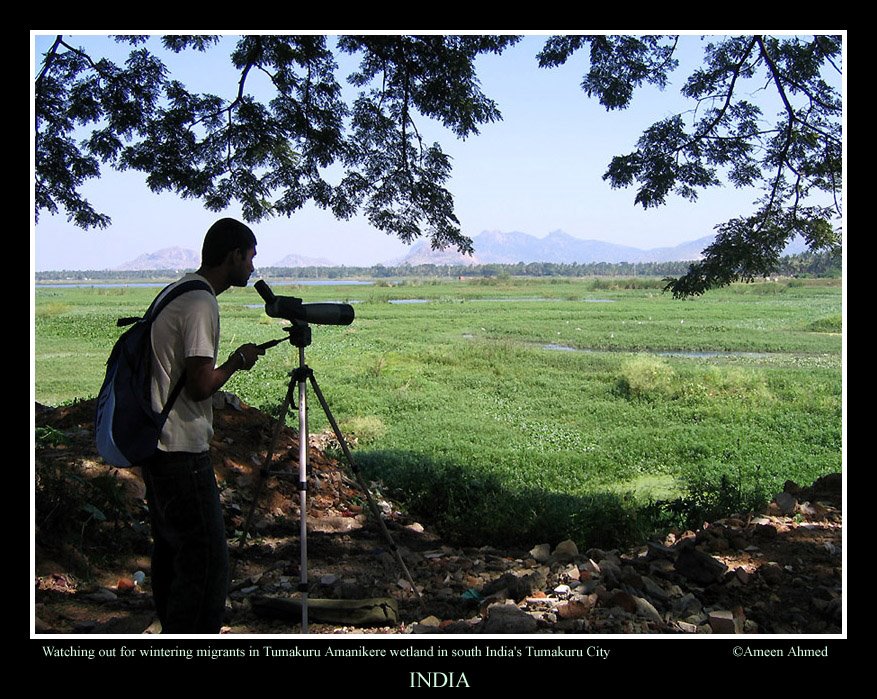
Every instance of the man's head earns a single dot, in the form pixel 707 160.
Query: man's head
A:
pixel 230 245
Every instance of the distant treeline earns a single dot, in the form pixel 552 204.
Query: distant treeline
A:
pixel 808 264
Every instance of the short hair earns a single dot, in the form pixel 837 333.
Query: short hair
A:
pixel 224 236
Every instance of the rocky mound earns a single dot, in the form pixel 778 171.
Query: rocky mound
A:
pixel 779 571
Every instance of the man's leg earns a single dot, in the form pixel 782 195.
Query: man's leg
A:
pixel 190 564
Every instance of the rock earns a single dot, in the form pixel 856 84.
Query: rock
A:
pixel 595 554
pixel 653 589
pixel 611 571
pixel 791 488
pixel 771 573
pixel 662 567
pixel 625 600
pixel 808 509
pixel 687 605
pixel 572 572
pixel 699 567
pixel 590 566
pixel 541 553
pixel 517 586
pixel 575 609
pixel 337 525
pixel 826 489
pixel 506 618
pixel 786 503
pixel 647 609
pixel 631 577
pixel 739 542
pixel 722 622
pixel 659 551
pixel 566 550
pixel 102 595
pixel 587 587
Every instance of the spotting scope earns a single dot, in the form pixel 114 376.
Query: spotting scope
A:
pixel 292 309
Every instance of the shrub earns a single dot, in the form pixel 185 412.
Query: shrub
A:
pixel 646 377
pixel 828 324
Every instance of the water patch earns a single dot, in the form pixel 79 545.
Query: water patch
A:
pixel 530 299
pixel 408 301
pixel 665 353
pixel 709 355
pixel 561 348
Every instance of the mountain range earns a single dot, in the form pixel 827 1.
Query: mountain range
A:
pixel 491 247
pixel 167 258
pixel 513 247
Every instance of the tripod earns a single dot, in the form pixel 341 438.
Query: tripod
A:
pixel 300 337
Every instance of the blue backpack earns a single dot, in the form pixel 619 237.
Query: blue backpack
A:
pixel 126 427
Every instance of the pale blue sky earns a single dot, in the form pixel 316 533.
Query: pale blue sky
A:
pixel 538 170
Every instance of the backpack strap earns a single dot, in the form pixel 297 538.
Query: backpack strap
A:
pixel 156 306
pixel 163 299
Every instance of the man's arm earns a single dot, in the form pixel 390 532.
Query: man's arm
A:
pixel 203 379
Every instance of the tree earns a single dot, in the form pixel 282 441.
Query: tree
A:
pixel 793 157
pixel 272 156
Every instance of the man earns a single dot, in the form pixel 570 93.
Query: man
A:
pixel 190 555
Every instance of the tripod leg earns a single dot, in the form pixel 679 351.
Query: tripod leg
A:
pixel 263 476
pixel 303 486
pixel 371 502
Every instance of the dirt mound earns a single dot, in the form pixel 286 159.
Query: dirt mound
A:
pixel 774 572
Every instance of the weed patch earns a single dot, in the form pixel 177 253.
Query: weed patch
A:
pixel 646 378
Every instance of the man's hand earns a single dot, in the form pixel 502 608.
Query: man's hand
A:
pixel 203 379
pixel 247 355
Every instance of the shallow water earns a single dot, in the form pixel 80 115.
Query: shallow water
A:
pixel 664 353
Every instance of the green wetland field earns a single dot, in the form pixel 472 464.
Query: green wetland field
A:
pixel 517 411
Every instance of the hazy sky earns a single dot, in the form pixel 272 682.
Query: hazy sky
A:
pixel 538 170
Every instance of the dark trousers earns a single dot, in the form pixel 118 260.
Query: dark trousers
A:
pixel 190 554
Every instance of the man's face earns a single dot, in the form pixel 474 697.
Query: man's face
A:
pixel 243 267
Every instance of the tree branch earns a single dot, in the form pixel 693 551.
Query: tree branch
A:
pixel 728 97
pixel 50 55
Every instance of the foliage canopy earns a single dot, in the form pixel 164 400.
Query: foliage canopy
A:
pixel 272 155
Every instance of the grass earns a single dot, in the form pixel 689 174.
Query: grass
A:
pixel 458 406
